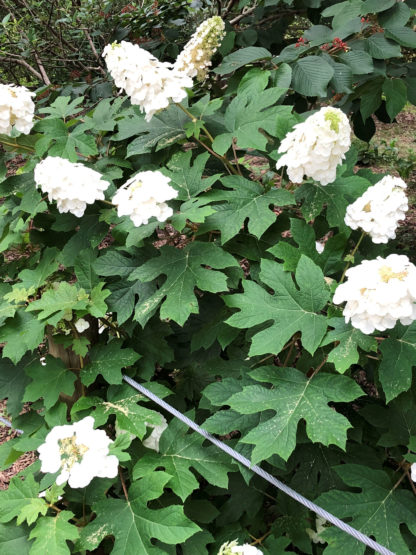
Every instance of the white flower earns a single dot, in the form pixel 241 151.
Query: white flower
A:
pixel 413 472
pixel 79 452
pixel 16 109
pixel 144 196
pixel 379 209
pixel 73 186
pixel 152 442
pixel 231 548
pixel 320 247
pixel 320 527
pixel 316 147
pixel 379 293
pixel 195 58
pixel 81 325
pixel 151 84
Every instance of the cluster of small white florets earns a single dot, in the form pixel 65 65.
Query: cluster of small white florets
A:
pixel 79 452
pixel 151 84
pixel 195 58
pixel 144 196
pixel 232 548
pixel 379 209
pixel 316 147
pixel 378 293
pixel 16 109
pixel 72 186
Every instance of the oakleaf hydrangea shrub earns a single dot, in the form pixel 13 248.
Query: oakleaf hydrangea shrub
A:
pixel 151 235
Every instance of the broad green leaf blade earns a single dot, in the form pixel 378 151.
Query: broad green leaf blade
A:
pixel 123 403
pixel 291 309
pixel 22 500
pixel 347 339
pixel 403 35
pixel 133 524
pixel 378 510
pixel 13 381
pixel 240 58
pixel 399 357
pixel 108 360
pixel 180 451
pixel 294 398
pixel 33 279
pixel 246 199
pixel 51 534
pixel 359 61
pixel 14 539
pixel 57 377
pixel 311 76
pixel 382 48
pixel 56 303
pixel 395 91
pixel 21 333
pixel 184 270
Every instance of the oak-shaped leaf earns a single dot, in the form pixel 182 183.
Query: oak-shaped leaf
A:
pixel 123 402
pixel 108 360
pixel 133 524
pixel 294 397
pixel 398 358
pixel 348 339
pixel 184 270
pixel 51 534
pixel 22 500
pixel 289 308
pixel 180 451
pixel 241 200
pixel 22 333
pixel 378 510
pixel 49 381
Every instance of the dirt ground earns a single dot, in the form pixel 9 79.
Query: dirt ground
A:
pixel 403 135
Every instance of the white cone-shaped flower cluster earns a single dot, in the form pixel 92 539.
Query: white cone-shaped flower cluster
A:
pixel 232 548
pixel 316 147
pixel 379 209
pixel 378 293
pixel 195 58
pixel 79 452
pixel 151 84
pixel 144 196
pixel 72 186
pixel 16 109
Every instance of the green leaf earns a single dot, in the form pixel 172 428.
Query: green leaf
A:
pixel 348 340
pixel 242 57
pixel 108 360
pixel 180 451
pixel 311 76
pixel 289 308
pixel 62 107
pixel 52 533
pixel 84 270
pixel 6 309
pixel 403 35
pixel 89 235
pixel 374 6
pixel 395 17
pixel 399 357
pixel 14 539
pixel 382 48
pixel 49 381
pixel 254 81
pixel 105 112
pixel 33 279
pixel 336 197
pixel 97 307
pixel 22 500
pixel 246 115
pixel 58 302
pixel 123 403
pixel 21 333
pixel 133 524
pixel 13 381
pixel 359 61
pixel 187 179
pixel 247 199
pixel 342 79
pixel 167 128
pixel 294 397
pixel 184 270
pixel 152 352
pixel 123 297
pixel 395 91
pixel 378 510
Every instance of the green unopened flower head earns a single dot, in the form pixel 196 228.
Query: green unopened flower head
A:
pixel 335 118
pixel 195 58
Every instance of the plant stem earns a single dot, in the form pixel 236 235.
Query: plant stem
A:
pixel 352 254
pixel 15 145
pixel 123 485
pixel 318 368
